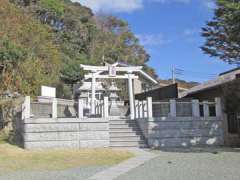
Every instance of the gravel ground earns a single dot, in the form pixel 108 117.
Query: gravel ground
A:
pixel 70 174
pixel 212 165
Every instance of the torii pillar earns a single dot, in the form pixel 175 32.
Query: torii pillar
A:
pixel 93 94
pixel 131 98
pixel 95 73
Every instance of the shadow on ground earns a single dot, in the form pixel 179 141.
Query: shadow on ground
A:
pixel 213 150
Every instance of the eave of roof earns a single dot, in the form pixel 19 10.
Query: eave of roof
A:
pixel 209 85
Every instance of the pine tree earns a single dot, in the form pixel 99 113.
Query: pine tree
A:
pixel 222 33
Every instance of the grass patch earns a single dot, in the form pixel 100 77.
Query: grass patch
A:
pixel 13 158
pixel 3 138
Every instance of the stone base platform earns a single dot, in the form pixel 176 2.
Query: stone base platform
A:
pixel 67 133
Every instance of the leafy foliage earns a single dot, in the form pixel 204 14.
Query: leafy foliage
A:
pixel 27 54
pixel 56 6
pixel 222 33
pixel 72 73
pixel 58 35
pixel 10 53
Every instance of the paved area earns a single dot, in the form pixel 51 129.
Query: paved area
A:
pixel 70 174
pixel 197 164
pixel 215 164
pixel 122 168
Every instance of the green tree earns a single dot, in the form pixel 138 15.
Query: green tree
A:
pixel 28 56
pixel 78 33
pixel 222 33
pixel 72 73
pixel 10 55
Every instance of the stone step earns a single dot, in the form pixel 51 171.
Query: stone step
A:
pixel 125 138
pixel 117 118
pixel 123 126
pixel 124 129
pixel 128 144
pixel 124 134
pixel 122 122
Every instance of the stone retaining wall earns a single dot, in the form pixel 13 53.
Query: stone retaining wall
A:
pixel 182 131
pixel 67 133
pixel 1 121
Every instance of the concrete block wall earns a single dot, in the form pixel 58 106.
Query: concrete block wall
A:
pixel 65 133
pixel 168 132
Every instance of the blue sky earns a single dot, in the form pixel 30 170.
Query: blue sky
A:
pixel 170 32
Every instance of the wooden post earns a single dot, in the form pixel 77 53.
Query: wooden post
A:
pixel 195 108
pixel 173 108
pixel 54 108
pixel 218 107
pixel 80 108
pixel 106 107
pixel 205 109
pixel 149 107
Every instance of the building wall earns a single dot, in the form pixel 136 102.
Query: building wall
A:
pixel 182 131
pixel 209 94
pixel 67 133
pixel 230 139
pixel 166 92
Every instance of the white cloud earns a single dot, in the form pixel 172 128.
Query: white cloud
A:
pixel 133 5
pixel 171 1
pixel 191 32
pixel 152 39
pixel 112 5
pixel 209 4
pixel 192 35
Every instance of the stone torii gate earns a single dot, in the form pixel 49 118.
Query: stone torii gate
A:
pixel 112 69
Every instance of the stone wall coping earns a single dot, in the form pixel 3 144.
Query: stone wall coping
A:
pixel 180 119
pixel 65 120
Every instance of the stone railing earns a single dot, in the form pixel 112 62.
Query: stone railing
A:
pixel 60 108
pixel 177 108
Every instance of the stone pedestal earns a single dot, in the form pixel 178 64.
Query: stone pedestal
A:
pixel 115 110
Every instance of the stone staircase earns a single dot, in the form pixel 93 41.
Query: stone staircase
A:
pixel 126 133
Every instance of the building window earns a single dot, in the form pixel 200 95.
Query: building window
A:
pixel 212 110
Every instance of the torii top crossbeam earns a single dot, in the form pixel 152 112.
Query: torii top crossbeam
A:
pixel 105 68
pixel 112 70
pixel 123 68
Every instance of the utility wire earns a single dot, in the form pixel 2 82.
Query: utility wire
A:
pixel 199 75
